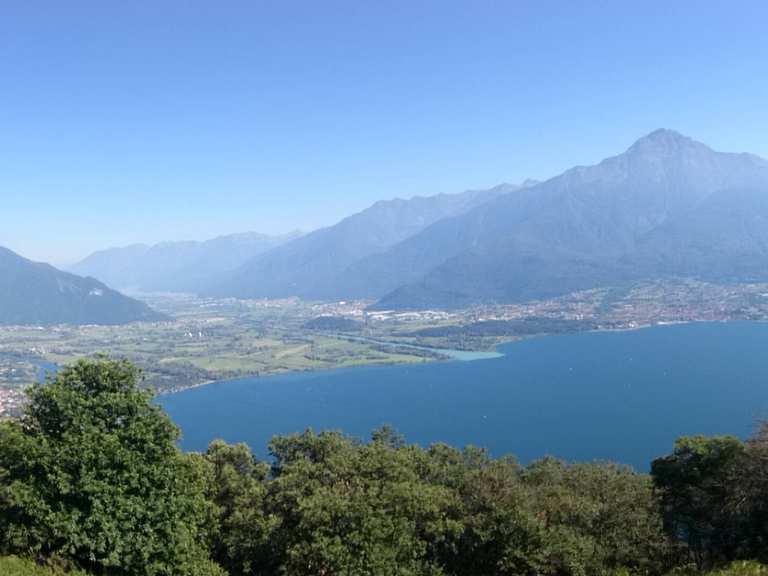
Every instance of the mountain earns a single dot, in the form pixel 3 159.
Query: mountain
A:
pixel 667 206
pixel 314 265
pixel 175 266
pixel 724 238
pixel 38 294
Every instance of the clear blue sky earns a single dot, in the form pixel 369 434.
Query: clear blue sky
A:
pixel 150 120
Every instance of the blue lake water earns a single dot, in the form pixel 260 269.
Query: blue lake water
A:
pixel 623 396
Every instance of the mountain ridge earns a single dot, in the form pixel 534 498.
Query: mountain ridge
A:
pixel 35 293
pixel 309 267
pixel 576 230
pixel 667 205
pixel 176 266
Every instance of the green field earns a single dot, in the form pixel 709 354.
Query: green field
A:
pixel 206 340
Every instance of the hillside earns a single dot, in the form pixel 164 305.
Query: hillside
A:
pixel 39 294
pixel 313 266
pixel 176 266
pixel 668 206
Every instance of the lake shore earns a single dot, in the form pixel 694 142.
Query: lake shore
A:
pixel 449 354
pixel 584 396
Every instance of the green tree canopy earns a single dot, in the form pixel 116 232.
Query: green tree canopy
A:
pixel 334 505
pixel 92 473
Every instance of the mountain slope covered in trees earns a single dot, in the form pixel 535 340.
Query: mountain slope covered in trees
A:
pixel 39 294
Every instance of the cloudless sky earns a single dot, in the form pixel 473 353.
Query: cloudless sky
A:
pixel 128 121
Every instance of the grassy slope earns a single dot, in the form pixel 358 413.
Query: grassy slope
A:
pixel 13 566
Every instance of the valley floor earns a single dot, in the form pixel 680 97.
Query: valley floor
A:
pixel 209 340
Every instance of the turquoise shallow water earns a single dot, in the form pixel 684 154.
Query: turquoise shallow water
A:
pixel 622 396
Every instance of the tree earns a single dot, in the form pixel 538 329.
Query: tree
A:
pixel 332 505
pixel 92 473
pixel 600 517
pixel 696 483
pixel 348 508
pixel 241 542
pixel 499 536
pixel 748 497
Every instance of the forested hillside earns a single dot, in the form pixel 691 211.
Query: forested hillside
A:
pixel 34 293
pixel 91 478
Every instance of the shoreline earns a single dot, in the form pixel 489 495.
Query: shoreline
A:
pixel 451 355
pixel 425 360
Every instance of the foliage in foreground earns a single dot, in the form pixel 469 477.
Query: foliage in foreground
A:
pixel 331 505
pixel 91 477
pixel 91 473
pixel 714 496
pixel 15 566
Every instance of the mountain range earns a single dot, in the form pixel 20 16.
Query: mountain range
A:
pixel 316 266
pixel 32 293
pixel 176 266
pixel 667 206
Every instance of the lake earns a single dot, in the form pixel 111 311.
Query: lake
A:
pixel 623 396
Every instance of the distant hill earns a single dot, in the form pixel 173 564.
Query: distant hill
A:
pixel 668 206
pixel 176 266
pixel 32 293
pixel 315 266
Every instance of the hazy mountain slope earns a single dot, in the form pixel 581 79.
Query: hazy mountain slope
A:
pixel 39 294
pixel 579 229
pixel 406 262
pixel 175 266
pixel 309 266
pixel 724 238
